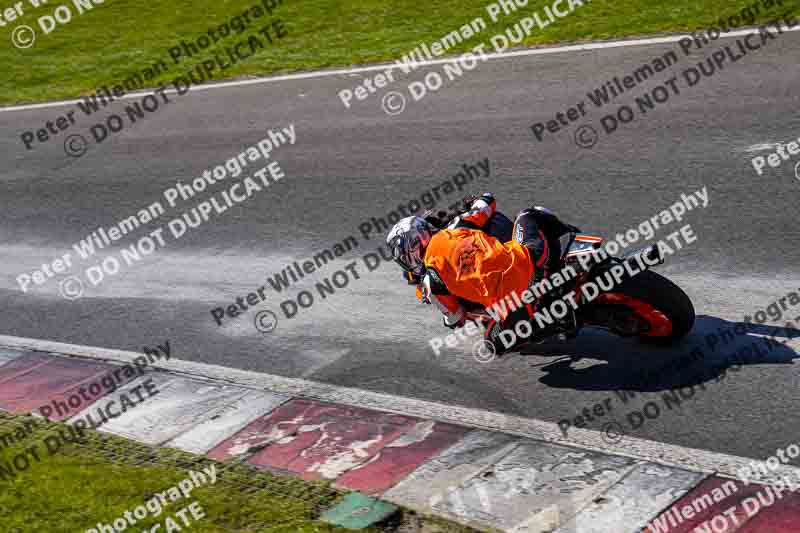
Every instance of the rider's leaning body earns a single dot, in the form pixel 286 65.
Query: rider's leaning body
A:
pixel 464 262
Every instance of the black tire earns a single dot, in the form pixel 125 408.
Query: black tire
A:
pixel 661 293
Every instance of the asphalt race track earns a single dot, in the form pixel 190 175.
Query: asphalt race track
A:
pixel 349 165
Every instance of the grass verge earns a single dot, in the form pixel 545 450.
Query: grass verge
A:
pixel 117 38
pixel 100 477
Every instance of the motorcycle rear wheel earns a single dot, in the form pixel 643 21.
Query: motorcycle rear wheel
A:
pixel 656 309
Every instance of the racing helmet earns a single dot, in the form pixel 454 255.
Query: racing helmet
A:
pixel 407 242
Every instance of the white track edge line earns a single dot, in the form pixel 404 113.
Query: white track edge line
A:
pixel 393 66
pixel 657 452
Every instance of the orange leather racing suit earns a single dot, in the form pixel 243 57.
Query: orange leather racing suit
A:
pixel 462 261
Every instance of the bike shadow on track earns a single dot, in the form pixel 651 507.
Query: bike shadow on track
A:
pixel 713 347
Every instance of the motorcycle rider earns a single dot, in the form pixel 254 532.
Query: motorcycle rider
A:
pixel 462 261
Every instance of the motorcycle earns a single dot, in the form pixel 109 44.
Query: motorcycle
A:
pixel 640 304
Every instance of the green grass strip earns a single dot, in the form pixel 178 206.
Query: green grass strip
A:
pixel 100 477
pixel 117 38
